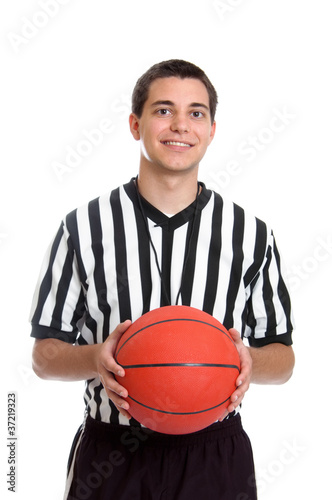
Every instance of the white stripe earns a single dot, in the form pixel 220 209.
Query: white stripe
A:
pixel 84 232
pixel 249 240
pixel 92 403
pixel 107 225
pixel 133 264
pixel 70 475
pixel 226 258
pixel 279 311
pixel 42 273
pixel 202 255
pixel 46 316
pixel 178 254
pixel 156 237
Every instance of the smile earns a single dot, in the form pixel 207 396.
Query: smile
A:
pixel 174 143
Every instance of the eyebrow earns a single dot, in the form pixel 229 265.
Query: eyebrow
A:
pixel 171 103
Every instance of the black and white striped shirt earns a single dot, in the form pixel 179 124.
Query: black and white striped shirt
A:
pixel 101 269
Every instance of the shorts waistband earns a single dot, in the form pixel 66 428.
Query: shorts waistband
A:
pixel 110 432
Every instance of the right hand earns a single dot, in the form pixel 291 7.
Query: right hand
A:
pixel 107 368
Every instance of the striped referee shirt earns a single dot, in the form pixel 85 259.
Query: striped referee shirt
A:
pixel 102 268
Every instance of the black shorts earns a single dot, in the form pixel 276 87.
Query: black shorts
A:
pixel 132 463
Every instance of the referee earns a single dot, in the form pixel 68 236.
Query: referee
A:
pixel 161 239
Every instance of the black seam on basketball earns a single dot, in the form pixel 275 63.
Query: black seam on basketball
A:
pixel 194 365
pixel 178 412
pixel 166 321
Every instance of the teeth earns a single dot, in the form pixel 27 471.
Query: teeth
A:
pixel 173 143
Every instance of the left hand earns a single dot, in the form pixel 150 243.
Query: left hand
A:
pixel 243 380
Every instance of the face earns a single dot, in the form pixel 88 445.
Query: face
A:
pixel 175 127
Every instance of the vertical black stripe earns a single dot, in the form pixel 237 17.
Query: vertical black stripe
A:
pixel 237 263
pixel 71 223
pixel 46 283
pixel 166 259
pixel 214 257
pixel 282 290
pixel 99 270
pixel 190 254
pixel 62 291
pixel 252 274
pixel 91 324
pixel 251 319
pixel 268 298
pixel 82 341
pixel 80 308
pixel 259 252
pixel 114 418
pixel 244 320
pixel 120 257
pixel 79 311
pixel 144 260
pixel 87 394
pixel 97 398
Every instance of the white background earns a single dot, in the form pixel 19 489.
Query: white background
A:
pixel 65 71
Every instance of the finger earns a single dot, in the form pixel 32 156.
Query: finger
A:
pixel 111 366
pixel 244 377
pixel 116 393
pixel 236 336
pixel 241 389
pixel 114 337
pixel 224 415
pixel 110 384
pixel 118 401
pixel 107 357
pixel 119 330
pixel 122 405
pixel 237 397
pixel 234 404
pixel 109 380
pixel 125 413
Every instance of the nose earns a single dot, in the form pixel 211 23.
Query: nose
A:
pixel 180 123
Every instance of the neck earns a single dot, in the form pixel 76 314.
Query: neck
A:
pixel 168 193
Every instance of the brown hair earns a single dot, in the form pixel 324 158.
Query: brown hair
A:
pixel 167 69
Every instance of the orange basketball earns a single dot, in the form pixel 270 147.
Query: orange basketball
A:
pixel 180 366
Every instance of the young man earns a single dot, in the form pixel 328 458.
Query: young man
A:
pixel 161 239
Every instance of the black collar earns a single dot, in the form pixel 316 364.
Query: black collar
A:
pixel 159 218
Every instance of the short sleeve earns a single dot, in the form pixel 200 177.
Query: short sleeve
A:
pixel 269 312
pixel 58 303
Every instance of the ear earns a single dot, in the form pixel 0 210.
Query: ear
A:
pixel 213 131
pixel 134 126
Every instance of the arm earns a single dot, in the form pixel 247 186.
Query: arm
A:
pixel 54 359
pixel 271 364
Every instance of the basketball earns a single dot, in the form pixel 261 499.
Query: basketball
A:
pixel 180 366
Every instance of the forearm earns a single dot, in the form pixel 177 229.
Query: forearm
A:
pixel 54 359
pixel 272 364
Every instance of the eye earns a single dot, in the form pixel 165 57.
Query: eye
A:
pixel 197 114
pixel 163 112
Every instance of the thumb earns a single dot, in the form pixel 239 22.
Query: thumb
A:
pixel 114 337
pixel 236 337
pixel 120 329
